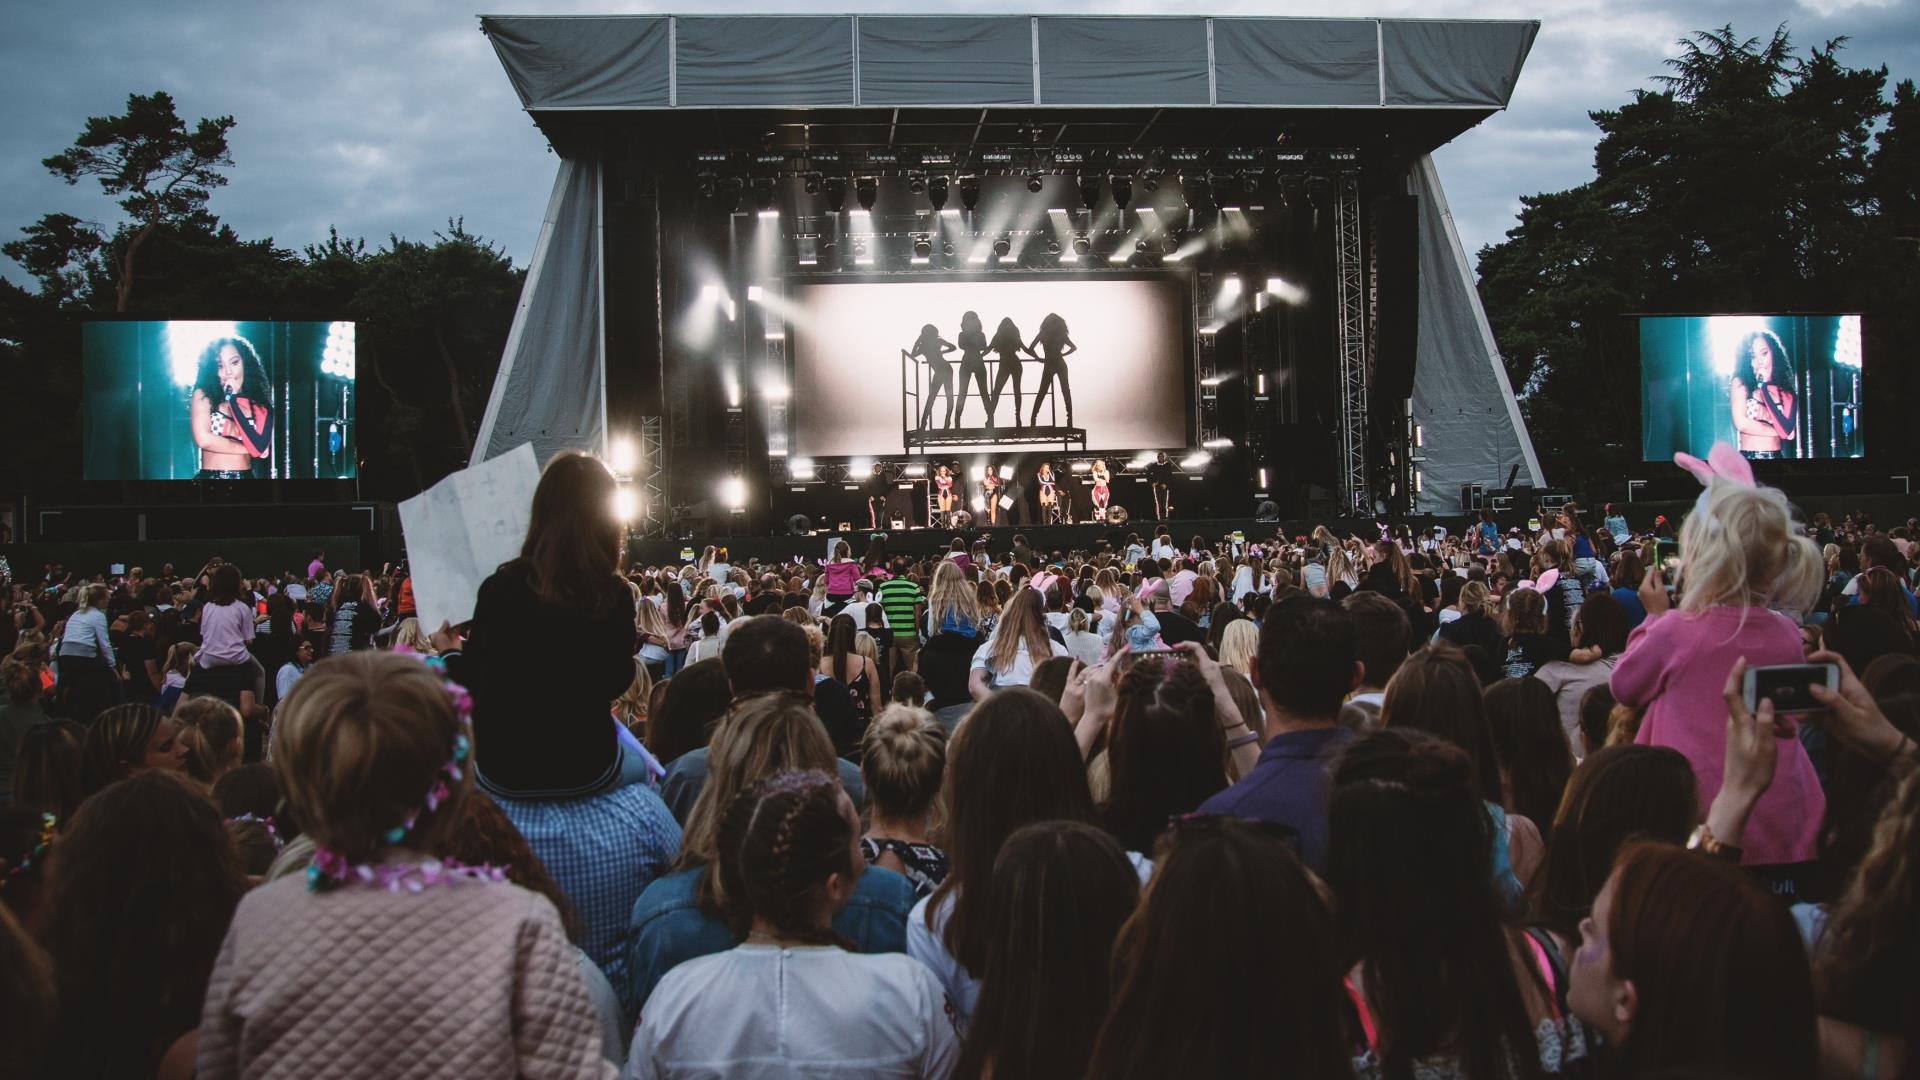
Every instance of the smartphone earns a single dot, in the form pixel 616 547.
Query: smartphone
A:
pixel 117 569
pixel 1533 525
pixel 1788 686
pixel 1667 554
pixel 1157 652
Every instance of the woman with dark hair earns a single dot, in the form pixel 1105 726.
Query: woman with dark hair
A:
pixel 1197 995
pixel 1436 691
pixel 355 618
pixel 931 348
pixel 792 998
pixel 1442 988
pixel 1166 752
pixel 1868 995
pixel 231 411
pixel 1013 762
pixel 144 881
pixel 1535 757
pixel 551 643
pixel 1760 397
pixel 1600 628
pixel 973 364
pixel 696 701
pixel 1688 966
pixel 49 771
pixel 224 665
pixel 1008 345
pixel 840 661
pixel 1061 890
pixel 1617 794
pixel 1052 345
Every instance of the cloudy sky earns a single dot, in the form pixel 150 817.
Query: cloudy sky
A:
pixel 391 116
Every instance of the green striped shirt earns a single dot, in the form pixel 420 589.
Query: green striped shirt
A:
pixel 897 598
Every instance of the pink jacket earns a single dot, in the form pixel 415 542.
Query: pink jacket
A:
pixel 1675 667
pixel 841 577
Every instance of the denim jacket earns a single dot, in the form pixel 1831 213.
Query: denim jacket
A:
pixel 668 927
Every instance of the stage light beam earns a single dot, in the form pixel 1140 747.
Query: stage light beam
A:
pixel 623 455
pixel 626 505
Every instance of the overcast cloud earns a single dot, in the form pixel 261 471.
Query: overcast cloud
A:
pixel 392 116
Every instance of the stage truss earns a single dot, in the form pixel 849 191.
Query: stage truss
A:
pixel 1356 372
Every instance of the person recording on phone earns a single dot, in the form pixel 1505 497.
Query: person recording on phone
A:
pixel 231 412
pixel 1761 398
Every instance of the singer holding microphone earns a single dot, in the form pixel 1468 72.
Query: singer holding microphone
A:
pixel 231 411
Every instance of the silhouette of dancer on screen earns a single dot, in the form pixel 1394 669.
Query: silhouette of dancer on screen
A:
pixel 1053 337
pixel 939 373
pixel 973 365
pixel 1006 342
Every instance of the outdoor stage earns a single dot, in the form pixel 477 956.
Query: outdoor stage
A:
pixel 784 250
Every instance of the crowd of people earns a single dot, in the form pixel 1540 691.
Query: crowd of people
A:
pixel 1479 803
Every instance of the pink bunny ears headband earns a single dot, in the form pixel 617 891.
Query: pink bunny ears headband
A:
pixel 1723 461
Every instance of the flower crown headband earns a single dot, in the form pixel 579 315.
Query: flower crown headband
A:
pixel 330 868
pixel 48 821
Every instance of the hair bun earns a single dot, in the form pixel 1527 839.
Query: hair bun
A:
pixel 1435 766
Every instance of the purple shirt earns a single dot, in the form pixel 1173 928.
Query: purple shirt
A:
pixel 1290 785
pixel 315 569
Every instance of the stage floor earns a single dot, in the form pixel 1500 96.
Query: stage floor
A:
pixel 924 541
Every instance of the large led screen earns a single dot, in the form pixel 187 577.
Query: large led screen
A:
pixel 1774 386
pixel 972 363
pixel 218 400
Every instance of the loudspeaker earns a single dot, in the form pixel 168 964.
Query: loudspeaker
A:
pixel 1268 510
pixel 799 525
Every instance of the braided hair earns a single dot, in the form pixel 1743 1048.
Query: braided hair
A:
pixel 780 840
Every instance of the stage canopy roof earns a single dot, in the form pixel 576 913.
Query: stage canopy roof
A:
pixel 1016 63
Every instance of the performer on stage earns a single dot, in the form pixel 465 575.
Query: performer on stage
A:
pixel 1761 397
pixel 934 351
pixel 231 412
pixel 1053 336
pixel 973 365
pixel 1159 476
pixel 990 488
pixel 1102 478
pixel 944 499
pixel 877 484
pixel 1049 495
pixel 1006 342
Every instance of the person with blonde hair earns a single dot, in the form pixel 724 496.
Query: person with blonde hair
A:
pixel 1239 646
pixel 375 755
pixel 407 634
pixel 903 759
pixel 1745 564
pixel 209 729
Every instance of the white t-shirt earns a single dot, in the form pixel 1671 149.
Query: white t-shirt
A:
pixel 1021 669
pixel 1088 648
pixel 771 1011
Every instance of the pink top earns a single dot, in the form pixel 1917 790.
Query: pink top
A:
pixel 841 577
pixel 1675 667
pixel 225 630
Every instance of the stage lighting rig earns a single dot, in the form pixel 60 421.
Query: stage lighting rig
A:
pixel 1089 190
pixel 1150 182
pixel 937 193
pixel 813 183
pixel 868 189
pixel 1122 186
pixel 917 183
pixel 1319 192
pixel 763 194
pixel 1081 244
pixel 1035 181
pixel 922 248
pixel 969 191
pixel 1250 181
pixel 1293 191
pixel 1002 246
pixel 836 193
pixel 730 195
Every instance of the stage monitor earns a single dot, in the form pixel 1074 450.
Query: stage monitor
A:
pixel 913 366
pixel 218 400
pixel 1774 386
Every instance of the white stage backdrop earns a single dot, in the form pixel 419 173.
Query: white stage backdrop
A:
pixel 1128 375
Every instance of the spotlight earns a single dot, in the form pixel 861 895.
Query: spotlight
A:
pixel 1250 182
pixel 1198 193
pixel 813 183
pixel 1292 191
pixel 1053 246
pixel 917 184
pixel 947 248
pixel 1089 191
pixel 733 492
pixel 763 195
pixel 836 194
pixel 1001 247
pixel 730 196
pixel 1226 193
pixel 1319 189
pixel 1035 182
pixel 922 248
pixel 624 456
pixel 1122 190
pixel 1150 183
pixel 969 191
pixel 937 192
pixel 867 189
pixel 1139 247
pixel 626 505
pixel 1081 244
pixel 706 189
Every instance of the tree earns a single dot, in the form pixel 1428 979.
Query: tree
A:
pixel 163 173
pixel 1750 180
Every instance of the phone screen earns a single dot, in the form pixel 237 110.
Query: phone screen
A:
pixel 1789 686
pixel 117 568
